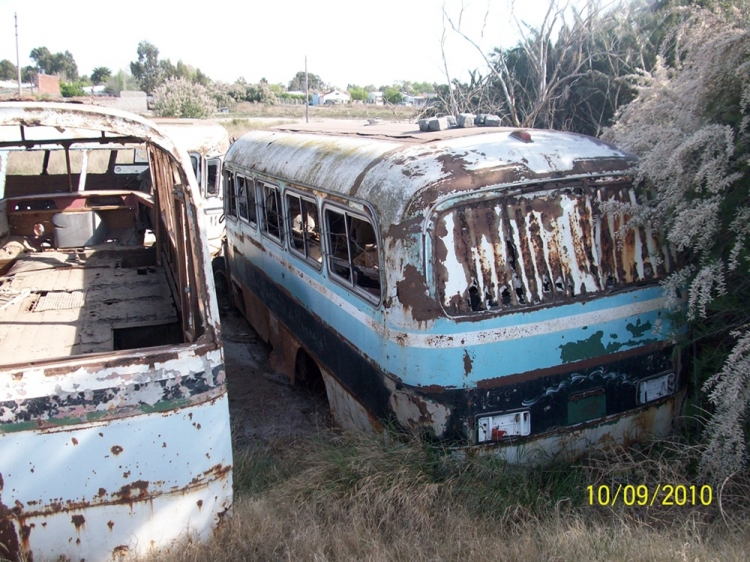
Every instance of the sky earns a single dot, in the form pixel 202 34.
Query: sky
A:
pixel 345 41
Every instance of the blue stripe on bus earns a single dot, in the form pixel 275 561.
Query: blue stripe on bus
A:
pixel 465 366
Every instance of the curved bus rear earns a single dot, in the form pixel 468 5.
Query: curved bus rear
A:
pixel 206 142
pixel 465 283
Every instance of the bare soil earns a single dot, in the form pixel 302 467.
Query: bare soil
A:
pixel 263 405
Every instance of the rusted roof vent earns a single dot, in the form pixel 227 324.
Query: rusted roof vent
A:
pixel 523 136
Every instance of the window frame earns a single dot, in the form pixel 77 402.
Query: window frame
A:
pixel 261 186
pixel 305 254
pixel 230 195
pixel 351 284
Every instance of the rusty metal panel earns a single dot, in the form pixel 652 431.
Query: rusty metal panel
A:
pixel 538 247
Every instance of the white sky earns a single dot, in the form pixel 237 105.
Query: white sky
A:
pixel 346 41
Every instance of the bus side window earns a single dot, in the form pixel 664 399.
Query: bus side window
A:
pixel 338 260
pixel 272 211
pixel 231 203
pixel 195 161
pixel 304 233
pixel 252 215
pixel 212 183
pixel 364 248
pixel 241 198
pixel 312 230
pixel 353 251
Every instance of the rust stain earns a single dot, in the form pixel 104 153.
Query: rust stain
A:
pixel 126 492
pixel 199 503
pixel 467 362
pixel 413 293
pixel 75 441
pixel 11 546
pixel 116 450
pixel 120 551
pixel 111 524
pixel 78 521
pixel 102 492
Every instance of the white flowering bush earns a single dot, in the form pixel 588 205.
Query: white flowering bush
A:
pixel 178 97
pixel 690 127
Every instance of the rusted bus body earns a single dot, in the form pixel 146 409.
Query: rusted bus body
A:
pixel 206 143
pixel 114 422
pixel 465 283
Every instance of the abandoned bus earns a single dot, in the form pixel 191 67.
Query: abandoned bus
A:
pixel 206 143
pixel 464 283
pixel 114 423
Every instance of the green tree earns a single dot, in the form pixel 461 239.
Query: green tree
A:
pixel 121 81
pixel 58 64
pixel 357 93
pixel 147 70
pixel 298 82
pixel 100 74
pixel 392 95
pixel 28 74
pixel 8 70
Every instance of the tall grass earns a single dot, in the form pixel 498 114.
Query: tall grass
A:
pixel 341 496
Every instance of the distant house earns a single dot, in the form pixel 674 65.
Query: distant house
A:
pixel 375 97
pixel 335 96
pixel 417 101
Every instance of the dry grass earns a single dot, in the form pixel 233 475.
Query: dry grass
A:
pixel 254 116
pixel 340 111
pixel 386 497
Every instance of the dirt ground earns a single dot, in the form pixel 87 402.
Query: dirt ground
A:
pixel 263 405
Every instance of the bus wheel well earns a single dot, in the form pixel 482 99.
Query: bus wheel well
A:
pixel 307 373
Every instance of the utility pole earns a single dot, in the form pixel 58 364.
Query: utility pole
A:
pixel 18 60
pixel 307 93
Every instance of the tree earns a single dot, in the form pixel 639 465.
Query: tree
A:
pixel 357 93
pixel 100 75
pixel 58 64
pixel 571 73
pixel 147 70
pixel 8 70
pixel 392 95
pixel 314 81
pixel 121 81
pixel 690 127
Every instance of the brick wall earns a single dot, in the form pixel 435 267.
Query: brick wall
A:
pixel 47 84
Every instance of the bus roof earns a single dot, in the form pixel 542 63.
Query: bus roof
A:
pixel 207 138
pixel 402 172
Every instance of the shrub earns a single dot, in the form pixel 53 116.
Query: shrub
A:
pixel 689 125
pixel 178 97
pixel 70 89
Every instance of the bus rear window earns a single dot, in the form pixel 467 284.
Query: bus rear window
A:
pixel 538 248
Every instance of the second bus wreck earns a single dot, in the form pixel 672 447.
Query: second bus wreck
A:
pixel 465 283
pixel 114 425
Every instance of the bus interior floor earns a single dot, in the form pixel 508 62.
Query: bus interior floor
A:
pixel 66 303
